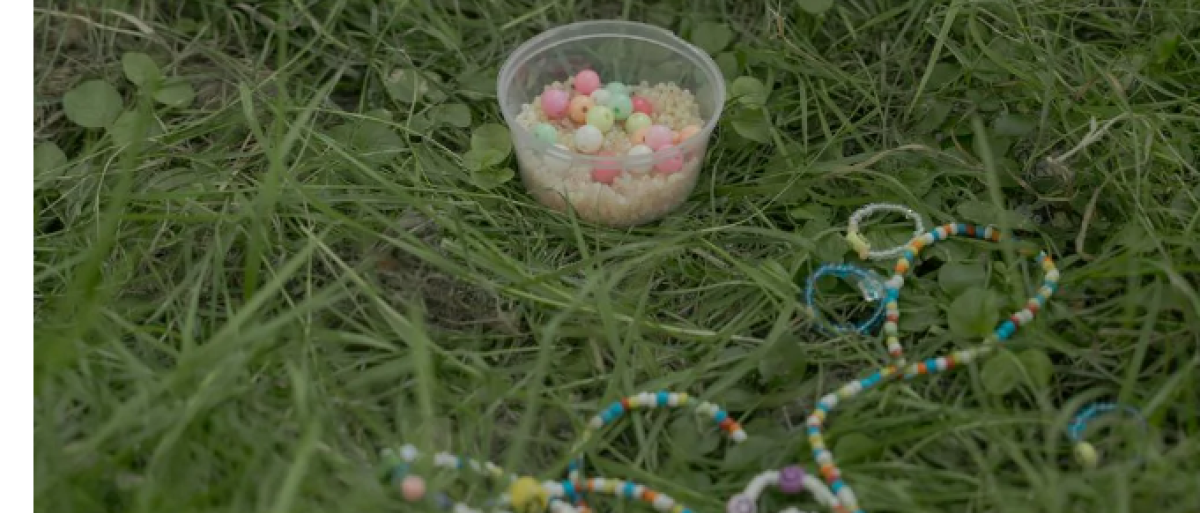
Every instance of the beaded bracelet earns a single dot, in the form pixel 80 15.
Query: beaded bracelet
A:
pixel 862 246
pixel 789 480
pixel 898 370
pixel 1085 452
pixel 868 282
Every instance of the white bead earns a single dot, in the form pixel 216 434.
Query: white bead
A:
pixel 1052 275
pixel 647 399
pixel 896 282
pixel 663 502
pixel 847 498
pixel 553 488
pixel 588 139
pixel 855 387
pixel 641 150
pixel 556 164
pixel 475 465
pixel 738 436
pixel 829 401
pixel 942 364
pixel 638 490
pixel 601 97
pixel 825 458
pixel 1024 316
pixel 596 423
pixel 673 400
pixel 408 453
pixel 442 459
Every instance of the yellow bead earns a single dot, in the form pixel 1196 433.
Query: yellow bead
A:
pixel 528 496
pixel 1086 454
pixel 683 398
pixel 633 401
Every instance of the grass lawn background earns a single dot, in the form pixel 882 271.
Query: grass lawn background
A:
pixel 260 256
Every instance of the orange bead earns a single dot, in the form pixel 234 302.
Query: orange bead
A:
pixel 638 137
pixel 580 105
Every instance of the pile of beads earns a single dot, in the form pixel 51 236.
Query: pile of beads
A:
pixel 1085 453
pixel 868 282
pixel 790 481
pixel 862 246
pixel 900 370
pixel 618 154
pixel 589 112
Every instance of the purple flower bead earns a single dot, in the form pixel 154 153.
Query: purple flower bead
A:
pixel 740 504
pixel 791 479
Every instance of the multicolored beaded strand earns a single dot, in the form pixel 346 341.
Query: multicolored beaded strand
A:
pixel 396 465
pixel 862 246
pixel 1085 452
pixel 868 282
pixel 789 480
pixel 1002 333
pixel 648 400
pixel 904 264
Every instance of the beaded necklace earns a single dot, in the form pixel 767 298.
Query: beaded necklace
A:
pixel 788 480
pixel 899 369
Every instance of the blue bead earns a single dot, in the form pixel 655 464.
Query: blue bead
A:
pixel 1005 330
pixel 836 486
pixel 908 255
pixel 934 233
pixel 814 430
pixel 569 490
pixel 630 488
pixel 461 462
pixel 821 406
pixel 1052 286
pixel 893 294
pixel 663 398
pixel 931 365
pixel 720 416
pixel 962 227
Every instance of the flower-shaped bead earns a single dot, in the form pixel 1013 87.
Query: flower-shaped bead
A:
pixel 791 479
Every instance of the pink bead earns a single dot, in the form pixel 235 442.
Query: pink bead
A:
pixel 555 103
pixel 642 105
pixel 413 488
pixel 587 81
pixel 606 171
pixel 658 136
pixel 668 160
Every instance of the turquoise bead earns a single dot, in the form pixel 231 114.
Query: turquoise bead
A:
pixel 621 106
pixel 545 132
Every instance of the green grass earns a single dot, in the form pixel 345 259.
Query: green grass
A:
pixel 237 314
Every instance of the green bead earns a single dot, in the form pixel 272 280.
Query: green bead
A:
pixel 637 121
pixel 621 106
pixel 617 89
pixel 600 117
pixel 545 132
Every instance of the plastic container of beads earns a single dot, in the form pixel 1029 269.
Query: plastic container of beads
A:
pixel 610 119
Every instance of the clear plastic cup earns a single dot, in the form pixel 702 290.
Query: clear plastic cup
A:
pixel 645 187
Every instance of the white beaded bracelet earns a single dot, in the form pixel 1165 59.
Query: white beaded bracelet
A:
pixel 863 247
pixel 789 480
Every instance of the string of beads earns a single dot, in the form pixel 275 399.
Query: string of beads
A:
pixel 899 370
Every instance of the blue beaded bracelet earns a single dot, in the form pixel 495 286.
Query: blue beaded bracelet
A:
pixel 1084 451
pixel 868 282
